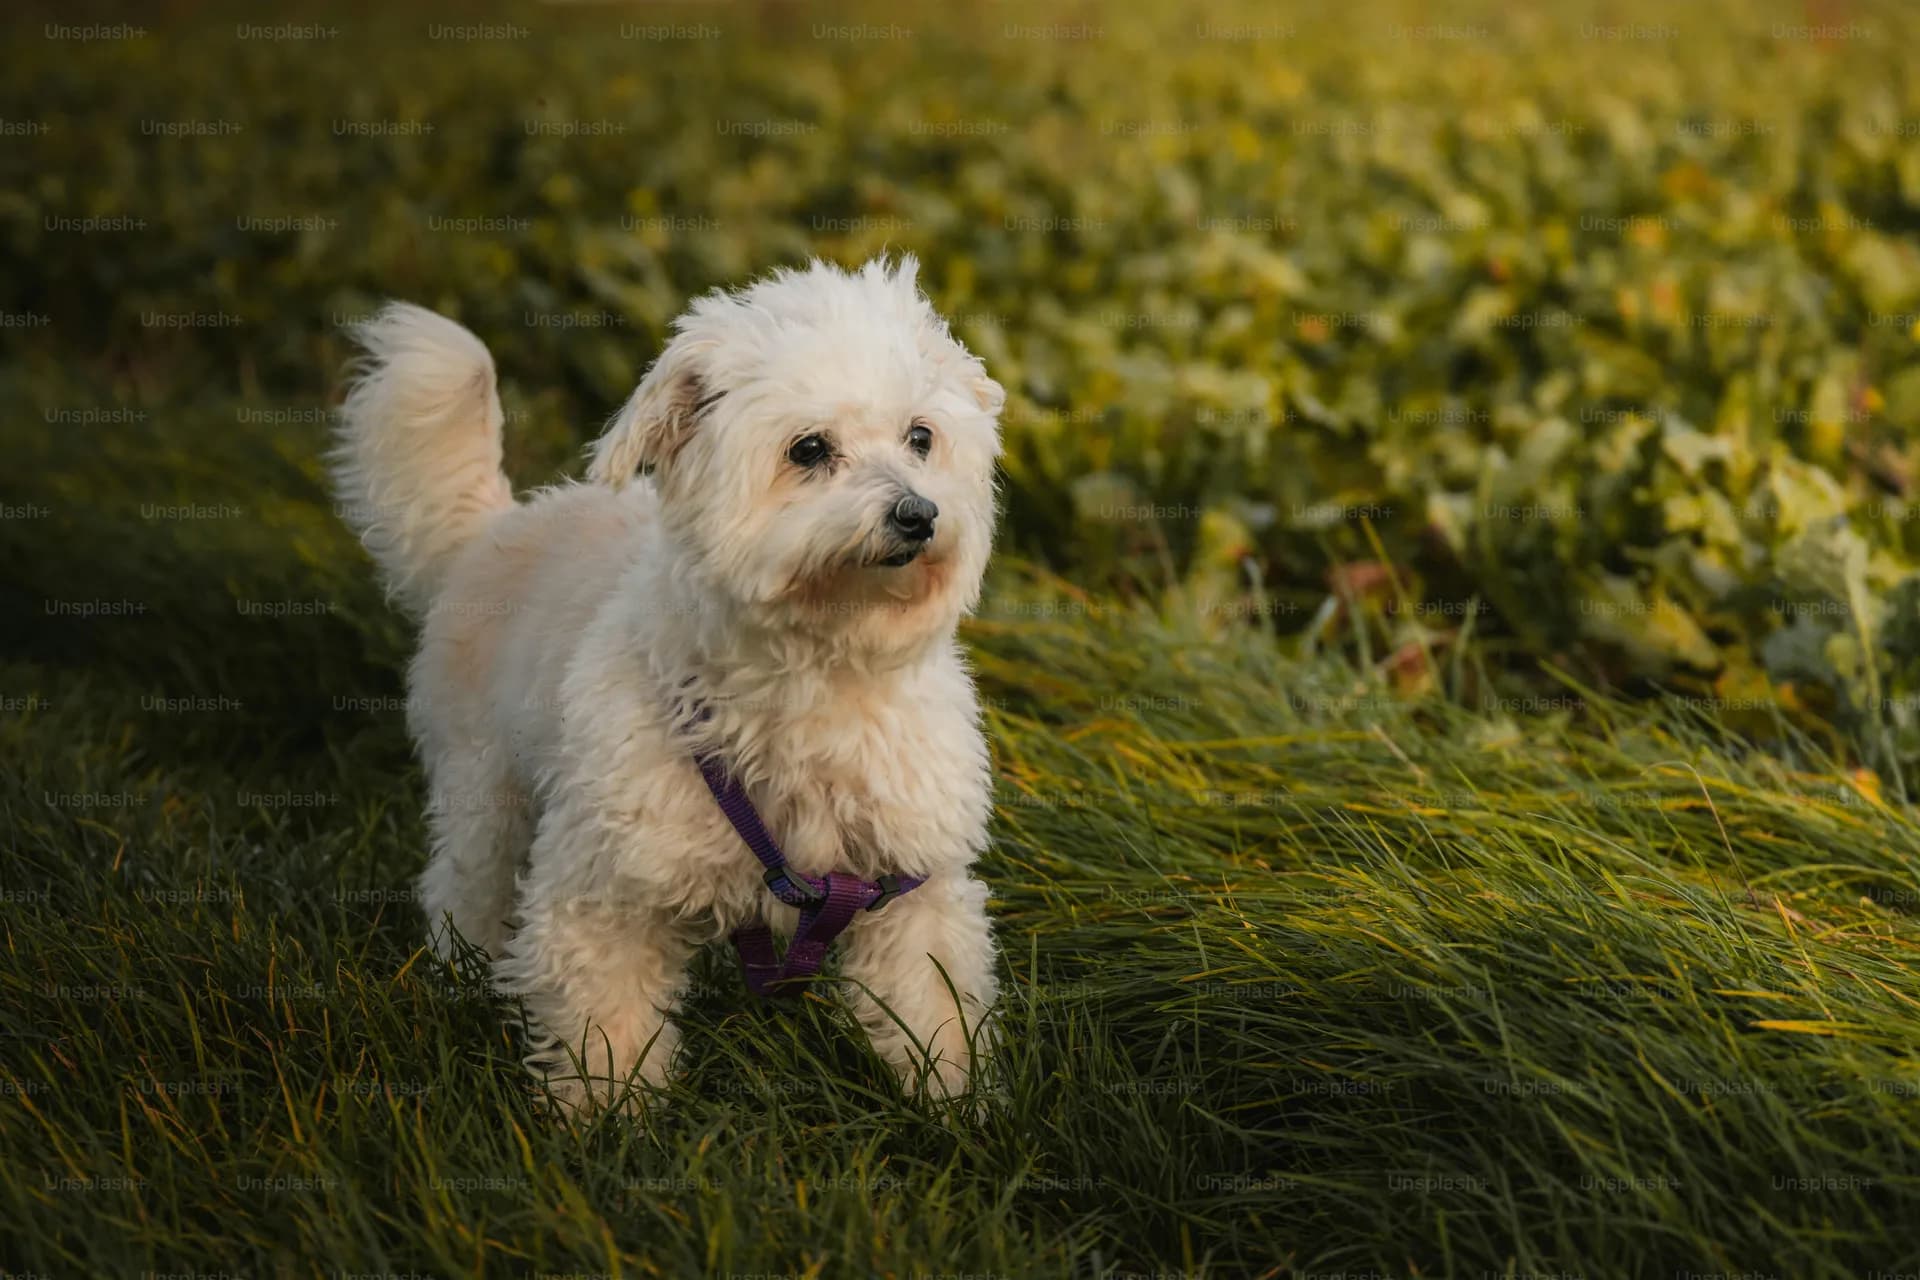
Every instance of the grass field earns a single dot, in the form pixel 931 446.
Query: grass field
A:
pixel 1300 974
pixel 1352 925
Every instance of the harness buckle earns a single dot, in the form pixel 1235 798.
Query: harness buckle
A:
pixel 889 890
pixel 774 876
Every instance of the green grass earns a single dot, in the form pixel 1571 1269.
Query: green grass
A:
pixel 1386 948
pixel 1650 281
pixel 1299 973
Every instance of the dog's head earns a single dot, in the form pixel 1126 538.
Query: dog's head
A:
pixel 823 448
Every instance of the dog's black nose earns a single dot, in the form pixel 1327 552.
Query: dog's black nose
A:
pixel 912 518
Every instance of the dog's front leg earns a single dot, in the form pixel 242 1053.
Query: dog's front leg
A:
pixel 600 979
pixel 914 955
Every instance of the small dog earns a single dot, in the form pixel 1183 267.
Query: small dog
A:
pixel 781 530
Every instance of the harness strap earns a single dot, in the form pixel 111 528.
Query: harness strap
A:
pixel 827 905
pixel 758 960
pixel 732 799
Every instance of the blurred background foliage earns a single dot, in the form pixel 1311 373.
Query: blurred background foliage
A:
pixel 1585 332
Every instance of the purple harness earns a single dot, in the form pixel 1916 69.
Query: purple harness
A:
pixel 826 905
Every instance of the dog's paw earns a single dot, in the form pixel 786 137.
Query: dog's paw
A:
pixel 955 1072
pixel 579 1100
pixel 940 1080
pixel 579 1090
pixel 961 1096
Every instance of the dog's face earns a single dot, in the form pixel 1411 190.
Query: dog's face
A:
pixel 824 450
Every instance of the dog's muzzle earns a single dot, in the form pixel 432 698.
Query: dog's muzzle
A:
pixel 911 522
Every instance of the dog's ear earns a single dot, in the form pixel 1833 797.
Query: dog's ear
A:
pixel 987 393
pixel 657 419
pixel 938 344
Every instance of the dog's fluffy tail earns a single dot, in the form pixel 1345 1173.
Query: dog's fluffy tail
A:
pixel 416 460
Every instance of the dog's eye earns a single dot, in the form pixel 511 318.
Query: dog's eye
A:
pixel 809 451
pixel 920 438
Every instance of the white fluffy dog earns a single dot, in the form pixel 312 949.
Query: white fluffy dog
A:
pixel 782 528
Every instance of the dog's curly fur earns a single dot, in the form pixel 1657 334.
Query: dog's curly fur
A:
pixel 565 638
